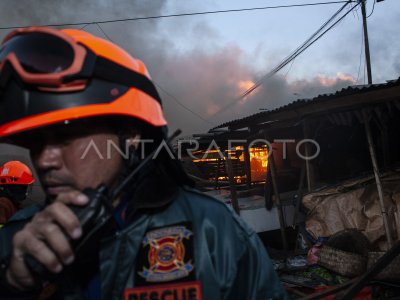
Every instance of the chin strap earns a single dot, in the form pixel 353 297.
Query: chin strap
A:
pixel 131 161
pixel 132 173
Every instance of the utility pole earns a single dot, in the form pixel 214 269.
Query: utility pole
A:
pixel 367 56
pixel 366 119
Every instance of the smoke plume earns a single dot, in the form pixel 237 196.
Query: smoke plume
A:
pixel 205 77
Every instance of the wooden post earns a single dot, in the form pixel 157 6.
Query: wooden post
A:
pixel 385 144
pixel 309 166
pixel 232 183
pixel 247 165
pixel 369 135
pixel 299 195
pixel 377 178
pixel 271 164
pixel 217 173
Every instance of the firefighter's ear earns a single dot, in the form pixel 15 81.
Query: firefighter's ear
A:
pixel 133 145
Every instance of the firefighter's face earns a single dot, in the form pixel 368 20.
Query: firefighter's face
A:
pixel 76 157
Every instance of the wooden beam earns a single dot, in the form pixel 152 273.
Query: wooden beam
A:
pixel 271 165
pixel 377 177
pixel 310 172
pixel 354 100
pixel 232 183
pixel 247 165
pixel 217 173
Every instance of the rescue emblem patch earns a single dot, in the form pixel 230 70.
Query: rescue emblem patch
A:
pixel 166 255
pixel 176 291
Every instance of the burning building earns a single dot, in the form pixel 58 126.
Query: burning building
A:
pixel 336 157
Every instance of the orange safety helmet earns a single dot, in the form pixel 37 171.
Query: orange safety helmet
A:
pixel 15 172
pixel 50 76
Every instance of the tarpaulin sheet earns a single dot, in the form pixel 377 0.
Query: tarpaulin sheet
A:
pixel 355 204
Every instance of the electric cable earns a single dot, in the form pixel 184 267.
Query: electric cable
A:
pixel 182 105
pixel 182 14
pixel 373 8
pixel 299 50
pixel 296 53
pixel 168 94
pixel 290 67
pixel 105 34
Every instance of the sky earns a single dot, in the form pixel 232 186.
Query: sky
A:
pixel 201 64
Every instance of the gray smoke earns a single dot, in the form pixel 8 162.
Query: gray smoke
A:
pixel 205 76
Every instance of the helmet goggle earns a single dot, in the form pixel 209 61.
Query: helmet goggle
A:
pixel 50 60
pixel 44 70
pixel 43 56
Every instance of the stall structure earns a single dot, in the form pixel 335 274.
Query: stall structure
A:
pixel 335 157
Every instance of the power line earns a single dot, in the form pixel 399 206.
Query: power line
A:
pixel 168 94
pixel 182 105
pixel 291 57
pixel 183 14
pixel 299 50
pixel 84 26
pixel 373 8
pixel 323 33
pixel 287 60
pixel 105 34
pixel 290 67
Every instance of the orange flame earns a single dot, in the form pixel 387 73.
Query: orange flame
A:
pixel 258 162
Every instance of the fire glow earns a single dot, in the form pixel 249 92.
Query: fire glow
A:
pixel 243 86
pixel 330 81
pixel 213 162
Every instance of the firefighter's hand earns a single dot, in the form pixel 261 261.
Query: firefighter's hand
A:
pixel 46 238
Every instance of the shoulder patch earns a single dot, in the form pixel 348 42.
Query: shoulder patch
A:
pixel 166 255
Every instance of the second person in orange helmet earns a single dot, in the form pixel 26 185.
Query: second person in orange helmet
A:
pixel 15 182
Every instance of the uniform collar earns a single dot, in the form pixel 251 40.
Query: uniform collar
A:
pixel 154 188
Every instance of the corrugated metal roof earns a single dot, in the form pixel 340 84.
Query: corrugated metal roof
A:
pixel 350 90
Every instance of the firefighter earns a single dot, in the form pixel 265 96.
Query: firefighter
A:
pixel 15 182
pixel 70 98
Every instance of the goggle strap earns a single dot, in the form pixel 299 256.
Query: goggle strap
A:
pixel 87 68
pixel 6 73
pixel 125 77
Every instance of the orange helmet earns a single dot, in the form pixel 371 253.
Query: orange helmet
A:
pixel 15 172
pixel 50 76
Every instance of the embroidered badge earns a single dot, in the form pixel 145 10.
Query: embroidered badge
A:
pixel 167 254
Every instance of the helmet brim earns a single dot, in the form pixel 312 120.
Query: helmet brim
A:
pixel 140 104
